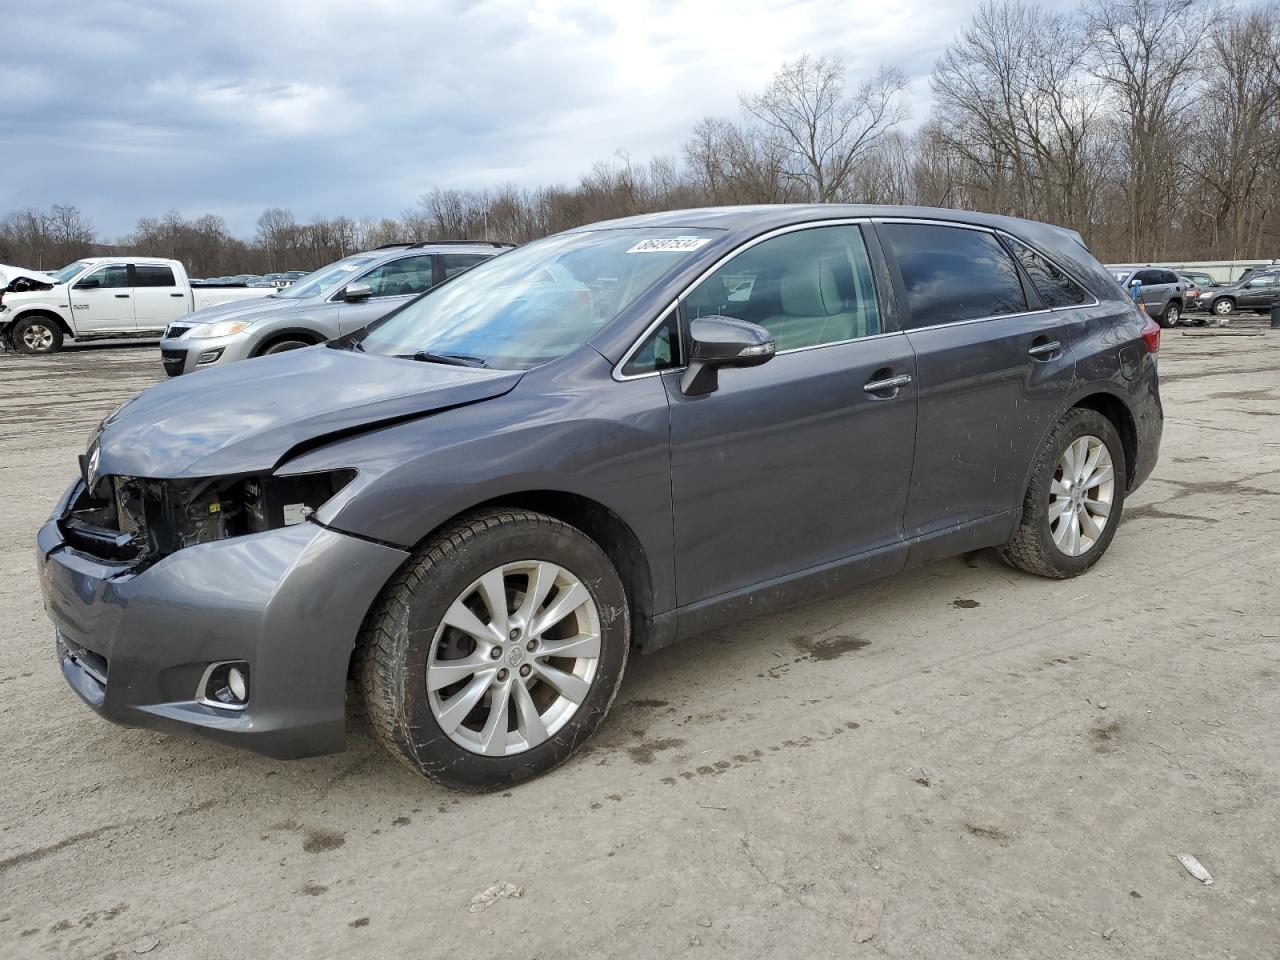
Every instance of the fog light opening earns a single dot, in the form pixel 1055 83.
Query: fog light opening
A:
pixel 209 356
pixel 225 685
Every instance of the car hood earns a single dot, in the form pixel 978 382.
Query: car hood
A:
pixel 250 417
pixel 236 309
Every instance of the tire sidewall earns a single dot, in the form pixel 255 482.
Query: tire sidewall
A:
pixel 284 346
pixel 426 744
pixel 1218 306
pixel 1084 423
pixel 20 327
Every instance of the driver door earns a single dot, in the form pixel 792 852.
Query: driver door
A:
pixel 798 465
pixel 102 301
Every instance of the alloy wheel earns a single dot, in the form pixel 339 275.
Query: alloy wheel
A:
pixel 37 337
pixel 1223 307
pixel 1081 495
pixel 513 658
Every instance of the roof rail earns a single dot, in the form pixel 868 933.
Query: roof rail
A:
pixel 472 243
pixel 390 246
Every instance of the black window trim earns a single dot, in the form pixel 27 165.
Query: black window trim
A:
pixel 133 276
pixel 663 314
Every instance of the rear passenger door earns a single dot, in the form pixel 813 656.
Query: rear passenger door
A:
pixel 157 299
pixel 994 371
pixel 394 282
pixel 803 461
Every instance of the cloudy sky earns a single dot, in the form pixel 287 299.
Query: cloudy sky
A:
pixel 127 109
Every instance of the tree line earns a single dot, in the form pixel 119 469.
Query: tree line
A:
pixel 1151 126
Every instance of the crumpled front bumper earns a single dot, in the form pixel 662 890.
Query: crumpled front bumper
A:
pixel 135 644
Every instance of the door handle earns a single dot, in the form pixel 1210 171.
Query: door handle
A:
pixel 177 294
pixel 892 383
pixel 1043 351
pixel 122 296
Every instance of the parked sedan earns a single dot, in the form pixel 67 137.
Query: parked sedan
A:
pixel 479 509
pixel 1257 293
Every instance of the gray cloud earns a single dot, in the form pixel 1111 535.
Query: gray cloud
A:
pixel 128 109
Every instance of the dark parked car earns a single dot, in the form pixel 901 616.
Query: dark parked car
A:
pixel 611 439
pixel 1257 293
pixel 1163 292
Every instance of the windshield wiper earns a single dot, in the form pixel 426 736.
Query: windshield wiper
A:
pixel 452 359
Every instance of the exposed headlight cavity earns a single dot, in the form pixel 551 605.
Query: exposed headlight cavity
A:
pixel 136 518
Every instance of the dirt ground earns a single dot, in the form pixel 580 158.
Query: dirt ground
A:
pixel 1008 766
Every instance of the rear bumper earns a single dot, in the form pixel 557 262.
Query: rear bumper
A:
pixel 135 644
pixel 1148 422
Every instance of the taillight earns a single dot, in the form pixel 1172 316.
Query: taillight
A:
pixel 1151 335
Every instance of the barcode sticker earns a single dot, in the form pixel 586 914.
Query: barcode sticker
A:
pixel 670 245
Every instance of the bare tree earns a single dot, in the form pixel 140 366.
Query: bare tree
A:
pixel 822 131
pixel 1143 53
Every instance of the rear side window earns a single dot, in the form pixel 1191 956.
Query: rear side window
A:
pixel 953 274
pixel 1056 289
pixel 152 275
pixel 455 263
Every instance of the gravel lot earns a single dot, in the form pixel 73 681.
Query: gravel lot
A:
pixel 1007 765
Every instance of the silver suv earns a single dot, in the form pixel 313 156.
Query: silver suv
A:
pixel 334 300
pixel 1163 292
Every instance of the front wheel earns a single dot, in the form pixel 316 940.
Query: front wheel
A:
pixel 37 335
pixel 1224 307
pixel 280 346
pixel 496 651
pixel 1074 499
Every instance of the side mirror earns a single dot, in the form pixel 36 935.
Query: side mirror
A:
pixel 88 284
pixel 355 292
pixel 723 342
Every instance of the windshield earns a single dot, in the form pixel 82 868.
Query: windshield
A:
pixel 69 271
pixel 538 302
pixel 325 280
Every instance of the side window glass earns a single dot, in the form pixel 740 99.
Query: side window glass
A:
pixel 1056 289
pixel 152 275
pixel 1265 280
pixel 661 350
pixel 400 278
pixel 807 288
pixel 455 263
pixel 113 277
pixel 953 274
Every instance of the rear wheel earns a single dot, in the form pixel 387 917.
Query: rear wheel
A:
pixel 1172 315
pixel 37 335
pixel 1073 503
pixel 497 651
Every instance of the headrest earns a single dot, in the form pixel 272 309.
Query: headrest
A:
pixel 808 289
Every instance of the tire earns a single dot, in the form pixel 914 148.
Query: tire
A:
pixel 280 346
pixel 444 734
pixel 1224 307
pixel 1172 316
pixel 36 334
pixel 1034 546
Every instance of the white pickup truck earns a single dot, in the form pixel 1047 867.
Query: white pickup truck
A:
pixel 101 297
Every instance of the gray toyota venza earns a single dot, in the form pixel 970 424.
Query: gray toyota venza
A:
pixel 469 513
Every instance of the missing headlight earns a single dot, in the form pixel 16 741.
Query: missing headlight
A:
pixel 137 518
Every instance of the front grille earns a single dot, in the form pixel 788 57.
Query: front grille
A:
pixel 175 330
pixel 173 360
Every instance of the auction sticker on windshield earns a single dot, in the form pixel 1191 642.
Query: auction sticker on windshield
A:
pixel 670 245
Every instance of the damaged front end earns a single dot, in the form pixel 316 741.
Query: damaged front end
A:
pixel 141 521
